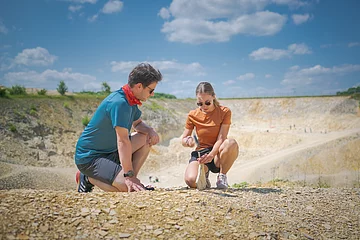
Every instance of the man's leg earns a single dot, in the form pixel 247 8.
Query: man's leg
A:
pixel 140 150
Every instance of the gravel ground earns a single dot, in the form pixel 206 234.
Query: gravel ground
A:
pixel 249 213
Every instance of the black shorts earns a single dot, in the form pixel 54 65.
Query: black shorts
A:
pixel 211 165
pixel 105 168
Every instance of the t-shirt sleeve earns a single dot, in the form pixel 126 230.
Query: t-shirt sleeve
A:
pixel 120 115
pixel 189 124
pixel 227 117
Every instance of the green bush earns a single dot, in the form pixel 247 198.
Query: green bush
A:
pixel 154 107
pixel 12 128
pixel 163 95
pixel 17 90
pixel 32 112
pixel 2 92
pixel 66 105
pixel 85 121
pixel 42 91
pixel 240 185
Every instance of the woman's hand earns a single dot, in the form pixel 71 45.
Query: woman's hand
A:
pixel 189 141
pixel 206 158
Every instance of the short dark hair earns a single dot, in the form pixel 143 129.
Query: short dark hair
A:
pixel 145 74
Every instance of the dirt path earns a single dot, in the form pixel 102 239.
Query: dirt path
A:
pixel 249 170
pixel 243 171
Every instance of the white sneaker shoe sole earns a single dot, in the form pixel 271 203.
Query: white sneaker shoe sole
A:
pixel 201 178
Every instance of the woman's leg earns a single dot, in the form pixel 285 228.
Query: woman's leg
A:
pixel 191 174
pixel 228 152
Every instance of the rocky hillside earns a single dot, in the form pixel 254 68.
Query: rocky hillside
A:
pixel 297 139
pixel 43 131
pixel 284 143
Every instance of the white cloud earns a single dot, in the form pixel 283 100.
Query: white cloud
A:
pixel 266 53
pixel 229 82
pixel 83 1
pixel 165 67
pixel 300 18
pixel 299 49
pixel 354 44
pixel 35 57
pixel 246 76
pixel 292 3
pixel 6 63
pixel 326 45
pixel 112 6
pixel 74 8
pixel 49 79
pixel 316 74
pixel 268 75
pixel 93 18
pixel 200 31
pixel 3 28
pixel 203 21
pixel 164 13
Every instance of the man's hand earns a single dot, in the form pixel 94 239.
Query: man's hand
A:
pixel 153 137
pixel 133 184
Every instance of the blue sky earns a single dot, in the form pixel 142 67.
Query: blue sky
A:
pixel 243 47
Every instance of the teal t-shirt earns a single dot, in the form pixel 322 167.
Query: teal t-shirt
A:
pixel 99 136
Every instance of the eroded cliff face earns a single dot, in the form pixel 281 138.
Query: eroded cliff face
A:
pixel 298 139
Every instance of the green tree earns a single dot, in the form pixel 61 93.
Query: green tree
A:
pixel 42 91
pixel 2 91
pixel 105 87
pixel 17 90
pixel 62 88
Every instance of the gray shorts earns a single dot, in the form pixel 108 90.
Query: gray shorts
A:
pixel 105 168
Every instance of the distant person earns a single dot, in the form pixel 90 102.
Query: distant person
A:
pixel 212 123
pixel 107 154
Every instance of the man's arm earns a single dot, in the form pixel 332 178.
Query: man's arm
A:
pixel 124 148
pixel 125 155
pixel 142 127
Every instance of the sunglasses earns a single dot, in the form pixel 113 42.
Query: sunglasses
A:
pixel 151 89
pixel 207 103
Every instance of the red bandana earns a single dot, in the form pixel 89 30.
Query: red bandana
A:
pixel 130 96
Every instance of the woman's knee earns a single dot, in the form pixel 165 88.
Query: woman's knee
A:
pixel 230 144
pixel 190 180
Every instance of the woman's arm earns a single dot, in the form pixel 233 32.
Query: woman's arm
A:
pixel 222 136
pixel 186 138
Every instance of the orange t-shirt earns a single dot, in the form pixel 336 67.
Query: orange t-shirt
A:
pixel 208 125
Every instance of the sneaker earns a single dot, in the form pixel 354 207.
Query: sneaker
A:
pixel 208 184
pixel 221 182
pixel 83 184
pixel 201 179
